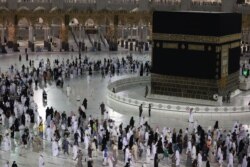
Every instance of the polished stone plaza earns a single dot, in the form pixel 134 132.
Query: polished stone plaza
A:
pixel 94 88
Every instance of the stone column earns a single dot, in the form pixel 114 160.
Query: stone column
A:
pixel 82 38
pixel 122 32
pixel 137 33
pixel 46 33
pixel 11 30
pixel 98 33
pixel 248 37
pixel 131 32
pixel 64 37
pixel 31 38
pixel 145 33
pixel 30 33
pixel 2 35
pixel 142 34
pixel 80 32
pixel 46 38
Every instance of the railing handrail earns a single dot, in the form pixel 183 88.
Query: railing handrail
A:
pixel 122 83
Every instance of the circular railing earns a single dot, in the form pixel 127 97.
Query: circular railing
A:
pixel 122 84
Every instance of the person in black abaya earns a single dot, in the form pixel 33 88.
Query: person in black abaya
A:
pixel 156 160
pixel 85 103
pixel 132 122
pixel 159 146
pixel 131 141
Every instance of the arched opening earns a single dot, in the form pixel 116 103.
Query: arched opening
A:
pixel 90 26
pixel 75 35
pixel 54 36
pixel 23 9
pixel 90 23
pixel 39 9
pixel 23 30
pixel 74 22
pixel 38 31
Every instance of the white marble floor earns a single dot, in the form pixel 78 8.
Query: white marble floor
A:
pixel 94 89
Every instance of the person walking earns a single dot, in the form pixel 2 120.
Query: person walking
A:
pixel 65 146
pixel 79 157
pixel 149 110
pixel 68 90
pixel 230 159
pixel 102 107
pixel 156 160
pixel 146 91
pixel 90 162
pixel 177 158
pixel 14 164
pixel 140 110
pixel 40 129
pixel 85 103
pixel 37 144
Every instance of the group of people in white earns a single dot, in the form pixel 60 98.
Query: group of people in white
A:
pixel 19 116
pixel 76 133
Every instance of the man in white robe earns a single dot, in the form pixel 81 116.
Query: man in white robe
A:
pixel 199 160
pixel 68 90
pixel 106 115
pixel 27 120
pixel 41 161
pixel 6 143
pixel 75 150
pixel 230 160
pixel 124 142
pixel 86 141
pixel 177 158
pixel 189 146
pixel 48 133
pixel 126 155
pixel 153 150
pixel 55 150
pixel 193 153
pixel 146 136
pixel 11 120
pixel 110 160
pixel 7 164
pixel 75 125
pixel 3 119
pixel 148 154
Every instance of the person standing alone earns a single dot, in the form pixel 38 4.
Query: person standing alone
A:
pixel 140 110
pixel 149 110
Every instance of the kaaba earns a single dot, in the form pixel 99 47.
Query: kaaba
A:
pixel 195 54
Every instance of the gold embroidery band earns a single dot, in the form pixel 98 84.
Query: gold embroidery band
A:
pixel 170 45
pixel 196 38
pixel 196 47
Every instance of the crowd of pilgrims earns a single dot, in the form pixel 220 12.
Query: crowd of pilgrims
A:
pixel 77 67
pixel 70 133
